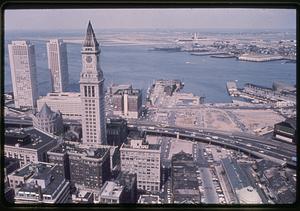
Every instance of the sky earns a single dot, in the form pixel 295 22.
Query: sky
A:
pixel 72 19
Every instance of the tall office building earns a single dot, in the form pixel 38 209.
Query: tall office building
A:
pixel 58 65
pixel 91 91
pixel 23 73
pixel 87 168
pixel 127 103
pixel 143 159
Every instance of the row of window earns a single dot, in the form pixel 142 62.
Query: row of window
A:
pixel 147 187
pixel 89 91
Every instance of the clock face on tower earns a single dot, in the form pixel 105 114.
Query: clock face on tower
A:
pixel 88 59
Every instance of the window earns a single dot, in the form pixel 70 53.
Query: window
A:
pixel 89 91
pixel 93 91
pixel 85 91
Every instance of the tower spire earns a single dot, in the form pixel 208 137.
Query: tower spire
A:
pixel 90 38
pixel 91 89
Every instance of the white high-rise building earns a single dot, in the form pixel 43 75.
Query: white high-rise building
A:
pixel 58 65
pixel 23 73
pixel 92 93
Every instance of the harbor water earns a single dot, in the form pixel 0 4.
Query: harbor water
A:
pixel 139 66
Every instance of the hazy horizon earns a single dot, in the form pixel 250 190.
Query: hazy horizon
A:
pixel 161 29
pixel 151 19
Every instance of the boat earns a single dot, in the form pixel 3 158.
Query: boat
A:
pixel 223 56
pixel 172 49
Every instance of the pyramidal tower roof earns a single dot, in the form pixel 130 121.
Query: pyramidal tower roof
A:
pixel 90 38
pixel 45 110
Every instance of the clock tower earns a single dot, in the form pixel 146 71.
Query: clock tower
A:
pixel 91 92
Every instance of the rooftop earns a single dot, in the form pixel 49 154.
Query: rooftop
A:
pixel 187 196
pixel 111 189
pixel 115 87
pixel 85 152
pixel 10 161
pixel 30 138
pixel 81 195
pixel 291 122
pixel 90 37
pixel 126 179
pixel 140 144
pixel 184 179
pixel 21 42
pixel 149 199
pixel 237 177
pixel 46 112
pixel 127 91
pixel 116 120
pixel 63 95
pixel 248 195
pixel 40 171
pixel 258 86
pixel 182 156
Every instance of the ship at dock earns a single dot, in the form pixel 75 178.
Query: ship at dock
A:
pixel 169 49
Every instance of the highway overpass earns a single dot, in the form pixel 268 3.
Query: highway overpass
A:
pixel 277 151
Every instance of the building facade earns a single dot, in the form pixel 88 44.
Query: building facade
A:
pixel 68 103
pixel 10 165
pixel 23 73
pixel 58 65
pixel 117 131
pixel 92 93
pixel 28 145
pixel 127 103
pixel 87 168
pixel 143 159
pixel 286 130
pixel 184 182
pixel 129 181
pixel 48 121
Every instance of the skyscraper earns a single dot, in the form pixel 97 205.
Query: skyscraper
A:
pixel 23 73
pixel 91 91
pixel 58 65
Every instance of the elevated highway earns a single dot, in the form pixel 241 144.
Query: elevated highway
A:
pixel 277 151
pixel 273 150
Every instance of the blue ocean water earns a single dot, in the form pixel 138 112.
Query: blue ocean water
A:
pixel 135 64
